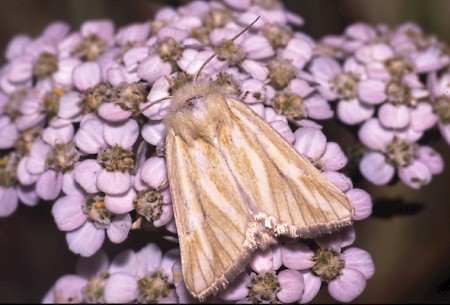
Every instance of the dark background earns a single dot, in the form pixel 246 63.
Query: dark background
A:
pixel 408 235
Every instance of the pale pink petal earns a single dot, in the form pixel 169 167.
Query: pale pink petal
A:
pixel 297 256
pixel 340 180
pixel 312 286
pixel 166 216
pixel 431 158
pixel 318 108
pixel 291 286
pixel 63 77
pixel 257 47
pixel 27 195
pixel 102 28
pixel 362 202
pixel 149 257
pixel 374 52
pixel 36 159
pixel 372 91
pixel 8 201
pixel 263 260
pixel 113 183
pixel 121 287
pixel 135 32
pixel 89 138
pixel 353 112
pixel 86 75
pixel 8 132
pixel 374 168
pixel 310 142
pixel 61 135
pixel 174 32
pixel 303 88
pixel 154 131
pixel 445 131
pixel 120 204
pixel 68 212
pixel 374 136
pixel 119 228
pixel 68 105
pixel 271 115
pixel 360 260
pixel 324 69
pixel 85 174
pixel 348 286
pixel 153 68
pixel 16 46
pixel 113 113
pixel 23 175
pixel 85 240
pixel 391 116
pixel 256 69
pixel 360 31
pixel 333 158
pixel 415 175
pixel 124 135
pixel 298 51
pixel 70 186
pixel 154 172
pixel 49 185
pixel 423 117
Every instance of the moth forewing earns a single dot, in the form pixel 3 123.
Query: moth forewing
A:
pixel 236 185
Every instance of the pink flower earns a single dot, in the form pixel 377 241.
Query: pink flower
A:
pixel 390 151
pixel 345 272
pixel 85 218
pixel 356 93
pixel 112 143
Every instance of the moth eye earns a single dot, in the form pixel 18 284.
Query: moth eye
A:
pixel 194 102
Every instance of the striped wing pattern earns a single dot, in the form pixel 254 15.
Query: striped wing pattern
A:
pixel 229 196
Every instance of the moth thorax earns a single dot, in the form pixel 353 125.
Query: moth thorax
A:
pixel 198 111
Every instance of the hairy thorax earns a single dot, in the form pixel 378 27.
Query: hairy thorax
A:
pixel 198 111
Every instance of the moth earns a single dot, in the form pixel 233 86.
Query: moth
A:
pixel 237 185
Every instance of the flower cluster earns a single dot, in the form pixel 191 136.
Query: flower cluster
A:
pixel 385 80
pixel 76 129
pixel 285 273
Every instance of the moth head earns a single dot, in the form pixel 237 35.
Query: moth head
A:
pixel 198 109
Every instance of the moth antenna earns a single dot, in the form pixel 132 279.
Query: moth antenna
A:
pixel 154 103
pixel 223 47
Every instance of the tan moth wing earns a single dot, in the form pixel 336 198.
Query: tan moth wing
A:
pixel 236 187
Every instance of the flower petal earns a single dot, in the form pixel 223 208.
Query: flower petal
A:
pixel 68 212
pixel 415 175
pixel 297 256
pixel 374 168
pixel 85 174
pixel 121 287
pixel 291 286
pixel 119 228
pixel 113 183
pixel 360 260
pixel 310 142
pixel 348 286
pixel 49 185
pixel 85 240
pixel 120 204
